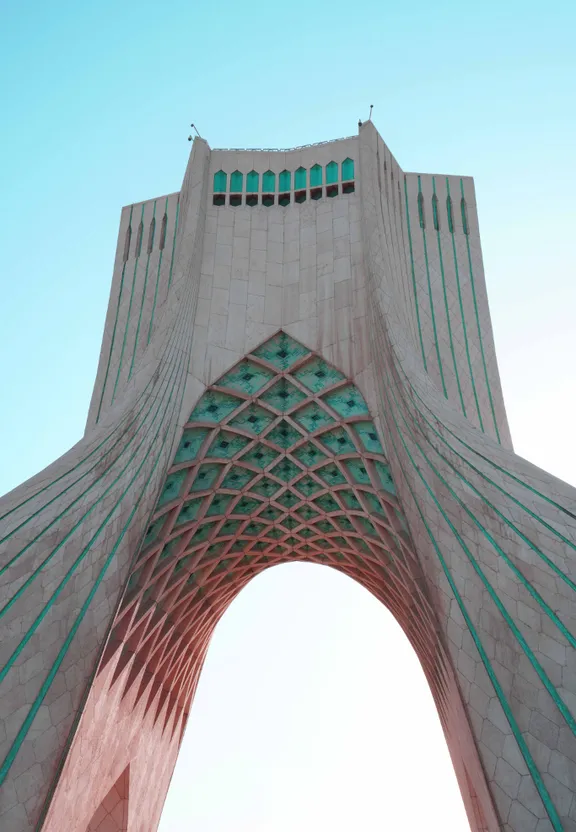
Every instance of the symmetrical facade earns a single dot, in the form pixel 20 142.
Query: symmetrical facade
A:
pixel 297 364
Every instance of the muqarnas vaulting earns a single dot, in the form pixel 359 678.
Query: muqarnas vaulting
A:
pixel 297 364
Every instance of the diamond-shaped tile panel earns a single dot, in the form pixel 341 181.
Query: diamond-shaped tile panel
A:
pixel 202 534
pixel 229 527
pixel 226 445
pixel 154 530
pixel 309 454
pixel 283 395
pixel 307 513
pixel 350 500
pixel 338 441
pixel 357 470
pixel 308 486
pixel 206 476
pixel 385 477
pixel 253 418
pixel 312 417
pixel 281 351
pixel 253 529
pixel 246 506
pixel 265 487
pixel 189 511
pixel 219 504
pixel 271 514
pixel 284 435
pixel 369 437
pixel 260 456
pixel 172 487
pixel 288 499
pixel 331 475
pixel 327 503
pixel 190 444
pixel 374 503
pixel 286 470
pixel 324 526
pixel 344 523
pixel 246 377
pixel 347 402
pixel 237 477
pixel 316 375
pixel 214 406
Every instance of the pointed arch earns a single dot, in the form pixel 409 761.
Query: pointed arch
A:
pixel 139 235
pixel 151 235
pixel 127 241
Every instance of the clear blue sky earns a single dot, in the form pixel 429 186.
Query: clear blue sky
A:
pixel 97 98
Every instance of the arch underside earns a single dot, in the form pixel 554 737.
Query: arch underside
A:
pixel 280 461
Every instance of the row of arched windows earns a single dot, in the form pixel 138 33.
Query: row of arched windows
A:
pixel 449 213
pixel 140 236
pixel 331 174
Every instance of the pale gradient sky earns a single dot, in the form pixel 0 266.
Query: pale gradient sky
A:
pixel 312 712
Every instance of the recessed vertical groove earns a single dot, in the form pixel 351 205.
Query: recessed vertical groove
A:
pixel 414 287
pixel 480 339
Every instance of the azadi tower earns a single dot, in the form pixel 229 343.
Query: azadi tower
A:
pixel 297 364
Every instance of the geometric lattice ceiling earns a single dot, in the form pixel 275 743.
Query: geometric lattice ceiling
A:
pixel 279 461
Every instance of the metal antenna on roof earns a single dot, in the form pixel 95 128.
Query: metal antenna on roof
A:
pixel 370 116
pixel 197 133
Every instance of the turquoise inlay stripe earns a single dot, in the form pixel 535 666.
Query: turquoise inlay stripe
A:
pixel 121 361
pixel 174 242
pixel 114 329
pixel 46 685
pixel 509 496
pixel 157 280
pixel 558 701
pixel 143 299
pixel 33 575
pixel 527 585
pixel 15 747
pixel 415 290
pixel 525 751
pixel 432 314
pixel 455 363
pixel 464 327
pixel 518 736
pixel 488 388
pixel 36 623
pixel 493 464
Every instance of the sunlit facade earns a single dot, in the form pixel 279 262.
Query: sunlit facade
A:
pixel 297 364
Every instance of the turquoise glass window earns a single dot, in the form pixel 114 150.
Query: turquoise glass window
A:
pixel 331 173
pixel 220 180
pixel 285 181
pixel 421 216
pixel 236 180
pixel 347 169
pixel 435 217
pixel 252 180
pixel 450 214
pixel 268 182
pixel 464 211
pixel 315 176
pixel 300 179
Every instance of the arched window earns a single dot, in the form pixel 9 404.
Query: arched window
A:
pixel 127 243
pixel 285 181
pixel 331 173
pixel 435 217
pixel 220 181
pixel 450 214
pixel 268 182
pixel 421 217
pixel 315 176
pixel 464 210
pixel 163 228
pixel 151 233
pixel 252 181
pixel 236 180
pixel 347 169
pixel 139 236
pixel 300 179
